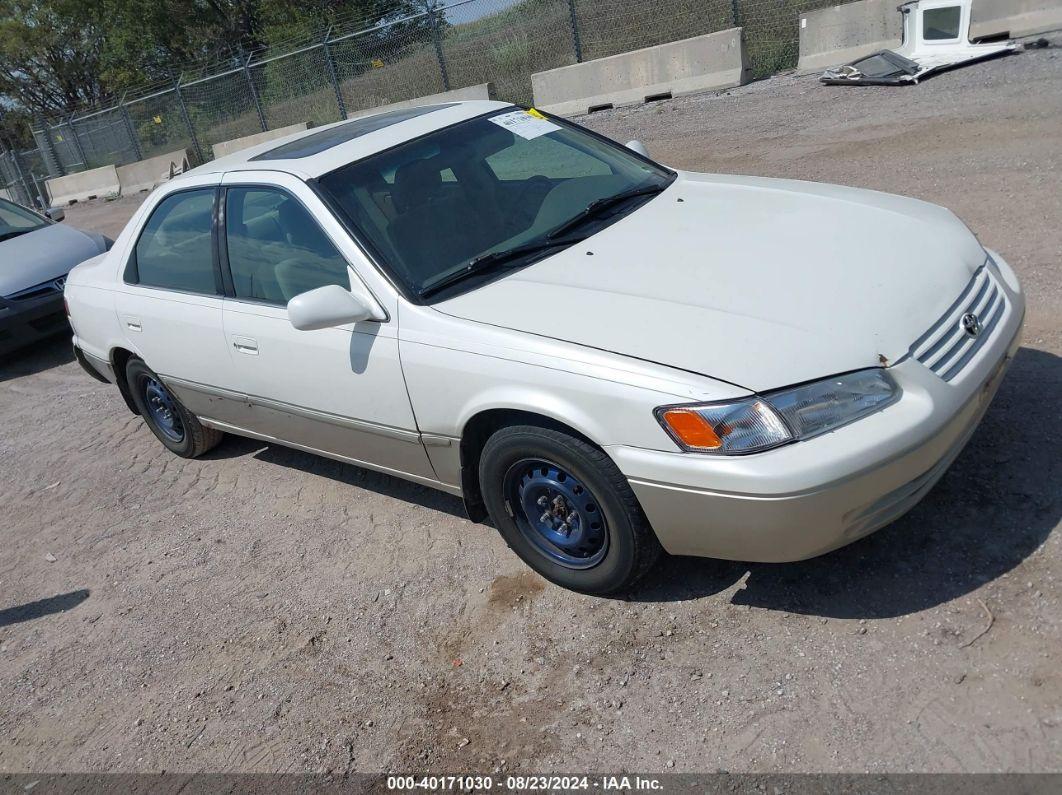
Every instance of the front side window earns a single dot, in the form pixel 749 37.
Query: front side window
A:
pixel 497 190
pixel 941 24
pixel 176 250
pixel 15 220
pixel 275 248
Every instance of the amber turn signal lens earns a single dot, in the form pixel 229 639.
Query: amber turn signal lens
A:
pixel 692 429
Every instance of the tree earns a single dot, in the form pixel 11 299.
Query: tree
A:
pixel 50 55
pixel 283 21
pixel 148 40
pixel 58 57
pixel 15 129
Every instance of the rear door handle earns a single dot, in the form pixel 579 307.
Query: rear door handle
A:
pixel 245 345
pixel 133 324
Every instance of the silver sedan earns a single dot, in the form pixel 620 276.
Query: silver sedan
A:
pixel 36 254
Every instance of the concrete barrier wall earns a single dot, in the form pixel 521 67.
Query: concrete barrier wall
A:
pixel 83 186
pixel 837 35
pixel 703 63
pixel 1019 17
pixel 481 91
pixel 223 148
pixel 146 174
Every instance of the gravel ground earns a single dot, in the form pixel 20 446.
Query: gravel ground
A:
pixel 265 610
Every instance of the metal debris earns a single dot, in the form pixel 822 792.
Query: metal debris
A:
pixel 936 36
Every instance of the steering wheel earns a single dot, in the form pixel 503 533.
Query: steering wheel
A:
pixel 537 182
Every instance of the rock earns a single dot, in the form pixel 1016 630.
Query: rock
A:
pixel 50 558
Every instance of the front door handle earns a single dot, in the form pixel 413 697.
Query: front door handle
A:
pixel 133 324
pixel 245 345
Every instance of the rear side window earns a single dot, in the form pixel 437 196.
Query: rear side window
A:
pixel 175 251
pixel 276 250
pixel 941 24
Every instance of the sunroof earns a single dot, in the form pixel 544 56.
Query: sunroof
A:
pixel 318 142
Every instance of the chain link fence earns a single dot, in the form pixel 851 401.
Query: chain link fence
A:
pixel 22 175
pixel 389 62
pixel 222 107
pixel 159 124
pixel 448 45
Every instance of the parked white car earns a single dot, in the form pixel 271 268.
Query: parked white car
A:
pixel 603 354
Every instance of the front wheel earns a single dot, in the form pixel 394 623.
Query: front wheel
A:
pixel 176 427
pixel 563 507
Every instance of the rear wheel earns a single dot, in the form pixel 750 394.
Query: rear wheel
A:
pixel 177 428
pixel 563 507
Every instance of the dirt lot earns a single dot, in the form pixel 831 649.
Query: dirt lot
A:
pixel 265 610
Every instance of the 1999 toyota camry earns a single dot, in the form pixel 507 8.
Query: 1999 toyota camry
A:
pixel 605 356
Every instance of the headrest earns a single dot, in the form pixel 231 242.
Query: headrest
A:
pixel 416 183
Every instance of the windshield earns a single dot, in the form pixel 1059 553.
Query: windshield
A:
pixel 15 220
pixel 496 191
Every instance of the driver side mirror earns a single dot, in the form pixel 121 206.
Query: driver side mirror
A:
pixel 331 305
pixel 638 147
pixel 57 214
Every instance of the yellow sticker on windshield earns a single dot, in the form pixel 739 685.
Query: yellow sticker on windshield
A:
pixel 535 113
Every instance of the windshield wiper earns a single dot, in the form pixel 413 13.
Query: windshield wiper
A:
pixel 598 206
pixel 495 259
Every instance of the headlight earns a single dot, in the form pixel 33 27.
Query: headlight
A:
pixel 760 423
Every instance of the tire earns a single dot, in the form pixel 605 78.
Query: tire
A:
pixel 523 464
pixel 173 425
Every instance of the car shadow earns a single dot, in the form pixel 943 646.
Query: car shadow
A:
pixel 38 357
pixel 42 607
pixel 995 506
pixel 347 474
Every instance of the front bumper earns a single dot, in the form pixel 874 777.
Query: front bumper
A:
pixel 805 499
pixel 29 321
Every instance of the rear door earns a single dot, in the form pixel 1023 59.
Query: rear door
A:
pixel 336 390
pixel 170 300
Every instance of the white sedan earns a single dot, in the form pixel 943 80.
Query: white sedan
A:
pixel 605 356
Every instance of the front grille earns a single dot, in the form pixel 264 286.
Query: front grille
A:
pixel 48 323
pixel 946 348
pixel 37 291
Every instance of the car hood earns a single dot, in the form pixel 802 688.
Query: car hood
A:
pixel 759 282
pixel 41 255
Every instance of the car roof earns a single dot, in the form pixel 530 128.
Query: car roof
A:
pixel 311 153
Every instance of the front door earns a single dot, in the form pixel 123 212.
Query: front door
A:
pixel 336 390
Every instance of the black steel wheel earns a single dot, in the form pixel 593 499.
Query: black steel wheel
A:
pixel 563 507
pixel 177 428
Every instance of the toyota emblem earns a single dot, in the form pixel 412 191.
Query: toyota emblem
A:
pixel 971 324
